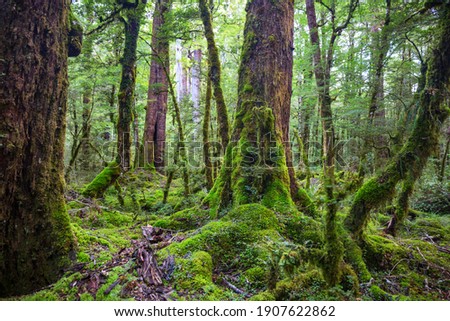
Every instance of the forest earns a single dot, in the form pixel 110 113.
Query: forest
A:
pixel 225 150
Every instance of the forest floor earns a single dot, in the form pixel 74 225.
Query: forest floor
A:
pixel 143 249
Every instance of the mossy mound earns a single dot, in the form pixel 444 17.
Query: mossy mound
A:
pixel 242 241
pixel 255 216
pixel 187 219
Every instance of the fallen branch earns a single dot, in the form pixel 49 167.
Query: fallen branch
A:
pixel 234 288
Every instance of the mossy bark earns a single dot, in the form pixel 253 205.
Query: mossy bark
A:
pixel 132 21
pixel 102 181
pixel 215 74
pixel 153 149
pixel 206 143
pixel 36 240
pixel 409 162
pixel 254 168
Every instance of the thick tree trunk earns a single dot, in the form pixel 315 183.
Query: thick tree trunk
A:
pixel 127 85
pixel 36 241
pixel 412 158
pixel 215 74
pixel 155 120
pixel 254 168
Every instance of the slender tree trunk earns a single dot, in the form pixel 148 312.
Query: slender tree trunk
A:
pixel 180 148
pixel 322 70
pixel 179 70
pixel 155 121
pixel 206 141
pixel 254 168
pixel 36 241
pixel 196 89
pixel 444 159
pixel 412 158
pixel 377 113
pixel 127 85
pixel 215 74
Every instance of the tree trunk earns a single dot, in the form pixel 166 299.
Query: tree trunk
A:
pixel 413 157
pixel 376 94
pixel 206 141
pixel 155 120
pixel 196 89
pixel 179 70
pixel 127 85
pixel 215 74
pixel 254 168
pixel 36 241
pixel 322 70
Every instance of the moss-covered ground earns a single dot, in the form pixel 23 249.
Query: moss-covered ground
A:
pixel 249 253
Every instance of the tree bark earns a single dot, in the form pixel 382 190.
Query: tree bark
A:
pixel 254 168
pixel 36 241
pixel 409 163
pixel 155 121
pixel 206 140
pixel 131 23
pixel 196 89
pixel 215 74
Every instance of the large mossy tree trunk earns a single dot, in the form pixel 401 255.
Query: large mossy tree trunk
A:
pixel 254 168
pixel 409 163
pixel 36 241
pixel 155 120
pixel 132 21
pixel 215 74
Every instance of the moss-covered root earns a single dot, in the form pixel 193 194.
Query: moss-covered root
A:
pixel 105 179
pixel 423 140
pixel 306 204
pixel 402 207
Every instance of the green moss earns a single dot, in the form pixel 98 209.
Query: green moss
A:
pixel 64 238
pixel 83 257
pixel 61 289
pixel 248 88
pixel 303 230
pixel 255 216
pixel 382 253
pixel 187 219
pixel 378 294
pixel 255 277
pixel 194 276
pixel 306 204
pixel 263 296
pixel 305 286
pixel 103 180
pixel 113 276
pixel 353 255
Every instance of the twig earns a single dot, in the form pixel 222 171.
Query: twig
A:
pixel 423 257
pixel 112 286
pixel 390 272
pixel 234 288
